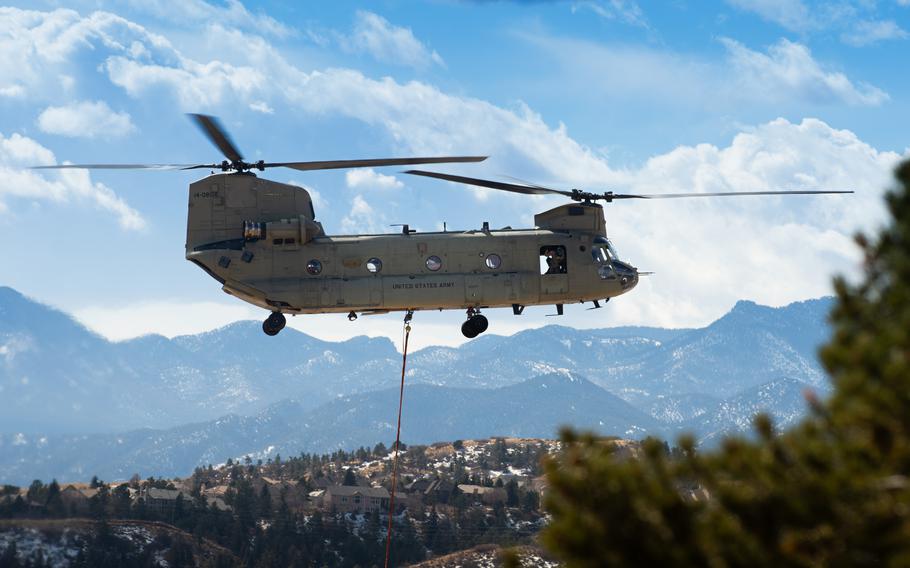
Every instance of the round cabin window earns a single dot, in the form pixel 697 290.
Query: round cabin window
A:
pixel 493 261
pixel 434 263
pixel 374 265
pixel 314 267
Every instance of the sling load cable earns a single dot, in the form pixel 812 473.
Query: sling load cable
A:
pixel 404 360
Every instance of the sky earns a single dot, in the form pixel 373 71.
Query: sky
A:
pixel 675 96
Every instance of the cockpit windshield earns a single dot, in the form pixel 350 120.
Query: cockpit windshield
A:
pixel 603 250
pixel 613 252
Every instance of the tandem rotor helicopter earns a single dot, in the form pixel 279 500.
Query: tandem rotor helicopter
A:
pixel 260 240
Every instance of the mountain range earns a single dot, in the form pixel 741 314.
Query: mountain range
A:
pixel 73 405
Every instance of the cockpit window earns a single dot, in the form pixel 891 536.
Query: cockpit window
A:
pixel 605 242
pixel 600 254
pixel 613 252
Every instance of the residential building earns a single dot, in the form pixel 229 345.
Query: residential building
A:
pixel 354 499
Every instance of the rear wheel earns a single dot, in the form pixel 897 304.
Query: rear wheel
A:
pixel 274 324
pixel 481 323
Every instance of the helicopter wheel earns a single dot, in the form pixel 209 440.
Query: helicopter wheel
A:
pixel 474 326
pixel 274 324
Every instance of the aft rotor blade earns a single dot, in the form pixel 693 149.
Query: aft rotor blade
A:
pixel 514 187
pixel 218 135
pixel 373 162
pixel 730 194
pixel 120 167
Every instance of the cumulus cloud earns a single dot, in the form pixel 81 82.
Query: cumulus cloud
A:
pixel 18 153
pixel 869 32
pixel 774 250
pixel 85 119
pixel 196 11
pixel 369 178
pixel 790 14
pixel 362 218
pixel 788 68
pixel 376 36
pixel 38 46
pixel 857 21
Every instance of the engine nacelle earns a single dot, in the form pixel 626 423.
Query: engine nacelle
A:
pixel 243 207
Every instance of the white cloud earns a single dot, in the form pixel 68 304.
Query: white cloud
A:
pixel 869 32
pixel 37 47
pixel 785 73
pixel 368 178
pixel 261 106
pixel 18 153
pixel 85 119
pixel 857 20
pixel 388 43
pixel 12 91
pixel 789 69
pixel 625 11
pixel 199 11
pixel 195 85
pixel 362 218
pixel 791 14
pixel 773 250
pixel 173 318
pixel 168 318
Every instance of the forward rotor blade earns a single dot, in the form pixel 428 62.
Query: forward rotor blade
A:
pixel 373 162
pixel 516 188
pixel 119 167
pixel 212 128
pixel 729 194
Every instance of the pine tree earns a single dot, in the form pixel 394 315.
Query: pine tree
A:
pixel 832 491
pixel 54 502
pixel 265 502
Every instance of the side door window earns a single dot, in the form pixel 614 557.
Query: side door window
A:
pixel 553 260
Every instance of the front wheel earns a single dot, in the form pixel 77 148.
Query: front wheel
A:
pixel 474 326
pixel 468 330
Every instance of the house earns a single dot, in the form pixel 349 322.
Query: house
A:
pixel 163 501
pixel 354 499
pixel 485 495
pixel 429 490
pixel 75 502
pixel 541 485
pixel 218 503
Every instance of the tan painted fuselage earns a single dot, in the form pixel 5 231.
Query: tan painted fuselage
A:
pixel 259 238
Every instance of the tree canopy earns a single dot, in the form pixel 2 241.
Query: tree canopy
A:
pixel 833 490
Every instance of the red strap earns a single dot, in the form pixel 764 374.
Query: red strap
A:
pixel 404 360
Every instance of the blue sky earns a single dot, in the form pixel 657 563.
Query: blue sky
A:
pixel 613 94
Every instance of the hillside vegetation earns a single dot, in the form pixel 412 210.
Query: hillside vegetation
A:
pixel 832 491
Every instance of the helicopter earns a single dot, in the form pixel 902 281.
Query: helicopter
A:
pixel 261 241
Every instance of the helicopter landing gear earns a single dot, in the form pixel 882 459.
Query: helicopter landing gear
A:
pixel 475 325
pixel 352 316
pixel 274 323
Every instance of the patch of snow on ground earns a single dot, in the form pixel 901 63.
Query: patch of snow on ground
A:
pixel 29 541
pixel 139 536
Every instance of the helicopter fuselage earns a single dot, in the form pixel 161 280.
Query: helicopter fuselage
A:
pixel 259 239
pixel 418 271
